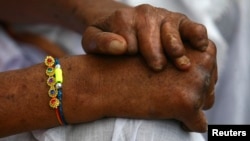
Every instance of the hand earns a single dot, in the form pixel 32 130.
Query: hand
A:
pixel 124 87
pixel 156 33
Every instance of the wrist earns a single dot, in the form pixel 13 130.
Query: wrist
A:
pixel 82 95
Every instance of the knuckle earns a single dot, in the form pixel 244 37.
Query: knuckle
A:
pixel 200 29
pixel 120 17
pixel 180 15
pixel 132 50
pixel 207 80
pixel 197 104
pixel 174 49
pixel 193 104
pixel 199 32
pixel 144 7
pixel 212 50
pixel 119 13
pixel 190 101
pixel 208 59
pixel 209 102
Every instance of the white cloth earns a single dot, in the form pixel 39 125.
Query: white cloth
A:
pixel 233 91
pixel 16 55
pixel 151 130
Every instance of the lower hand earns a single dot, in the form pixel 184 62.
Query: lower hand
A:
pixel 124 87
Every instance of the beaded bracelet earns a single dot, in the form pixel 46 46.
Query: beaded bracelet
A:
pixel 54 81
pixel 59 81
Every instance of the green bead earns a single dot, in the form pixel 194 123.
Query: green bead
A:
pixel 50 71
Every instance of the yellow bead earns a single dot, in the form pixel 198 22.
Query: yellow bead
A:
pixel 59 76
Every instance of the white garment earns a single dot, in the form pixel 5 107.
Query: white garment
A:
pixel 16 55
pixel 233 91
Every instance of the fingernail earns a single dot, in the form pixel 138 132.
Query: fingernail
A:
pixel 203 48
pixel 158 67
pixel 158 64
pixel 183 61
pixel 116 47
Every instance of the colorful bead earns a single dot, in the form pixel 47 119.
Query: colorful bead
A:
pixel 49 61
pixel 58 66
pixel 57 61
pixel 55 81
pixel 50 71
pixel 58 74
pixel 58 85
pixel 52 92
pixel 54 102
pixel 51 81
pixel 59 96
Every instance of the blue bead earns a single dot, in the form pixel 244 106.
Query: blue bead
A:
pixel 60 94
pixel 57 61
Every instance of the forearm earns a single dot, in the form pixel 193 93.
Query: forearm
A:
pixel 103 86
pixel 93 87
pixel 73 14
pixel 24 100
pixel 24 103
pixel 28 11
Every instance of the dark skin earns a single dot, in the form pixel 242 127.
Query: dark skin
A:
pixel 153 35
pixel 154 32
pixel 114 28
pixel 91 93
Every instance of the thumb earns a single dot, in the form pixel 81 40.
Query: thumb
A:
pixel 196 124
pixel 96 41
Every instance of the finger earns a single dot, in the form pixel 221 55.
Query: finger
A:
pixel 210 97
pixel 210 64
pixel 130 37
pixel 209 102
pixel 96 41
pixel 197 123
pixel 173 46
pixel 150 45
pixel 211 50
pixel 194 33
pixel 208 60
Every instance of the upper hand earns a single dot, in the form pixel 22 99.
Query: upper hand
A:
pixel 156 33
